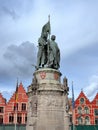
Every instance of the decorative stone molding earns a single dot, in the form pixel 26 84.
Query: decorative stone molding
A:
pixel 50 101
pixel 47 75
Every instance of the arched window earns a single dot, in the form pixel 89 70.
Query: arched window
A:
pixel 87 121
pixel 86 110
pixel 1 119
pixel 19 118
pixel 80 120
pixel 11 118
pixel 79 110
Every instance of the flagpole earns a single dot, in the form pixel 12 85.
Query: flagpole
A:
pixel 15 117
pixel 15 104
pixel 49 23
pixel 49 38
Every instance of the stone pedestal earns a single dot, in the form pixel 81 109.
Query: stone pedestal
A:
pixel 47 100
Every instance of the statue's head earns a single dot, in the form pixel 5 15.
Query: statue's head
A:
pixel 53 37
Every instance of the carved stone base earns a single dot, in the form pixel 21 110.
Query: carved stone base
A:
pixel 47 102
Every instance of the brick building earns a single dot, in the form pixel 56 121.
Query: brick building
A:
pixel 8 113
pixel 2 108
pixel 86 112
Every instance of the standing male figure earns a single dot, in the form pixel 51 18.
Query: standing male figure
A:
pixel 53 54
pixel 42 51
pixel 42 46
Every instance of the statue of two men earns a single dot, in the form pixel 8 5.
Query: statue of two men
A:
pixel 48 50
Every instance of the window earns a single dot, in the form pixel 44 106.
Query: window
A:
pixel 11 118
pixel 81 100
pixel 1 119
pixel 87 122
pixel 23 106
pixel 96 112
pixel 15 106
pixel 80 120
pixel 1 110
pixel 19 118
pixel 86 110
pixel 79 110
pixel 25 118
pixel 96 121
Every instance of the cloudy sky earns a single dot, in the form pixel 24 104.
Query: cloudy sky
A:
pixel 75 24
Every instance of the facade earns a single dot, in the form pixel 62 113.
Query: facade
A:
pixel 86 112
pixel 8 113
pixel 2 108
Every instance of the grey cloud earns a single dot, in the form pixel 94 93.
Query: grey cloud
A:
pixel 15 8
pixel 84 58
pixel 18 61
pixel 80 66
pixel 10 12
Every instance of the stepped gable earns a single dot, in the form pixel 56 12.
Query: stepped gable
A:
pixel 10 107
pixel 22 96
pixel 95 99
pixel 21 88
pixel 82 95
pixel 2 100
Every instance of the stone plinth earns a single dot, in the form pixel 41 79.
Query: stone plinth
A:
pixel 50 109
pixel 48 95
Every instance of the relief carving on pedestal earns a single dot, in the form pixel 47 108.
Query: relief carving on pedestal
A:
pixel 33 107
pixel 50 101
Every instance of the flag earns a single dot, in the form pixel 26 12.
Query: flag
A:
pixel 16 95
pixel 73 102
pixel 46 29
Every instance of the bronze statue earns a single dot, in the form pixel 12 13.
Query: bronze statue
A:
pixel 48 50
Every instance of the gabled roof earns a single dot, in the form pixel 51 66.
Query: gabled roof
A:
pixel 82 95
pixel 95 98
pixel 21 88
pixel 21 94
